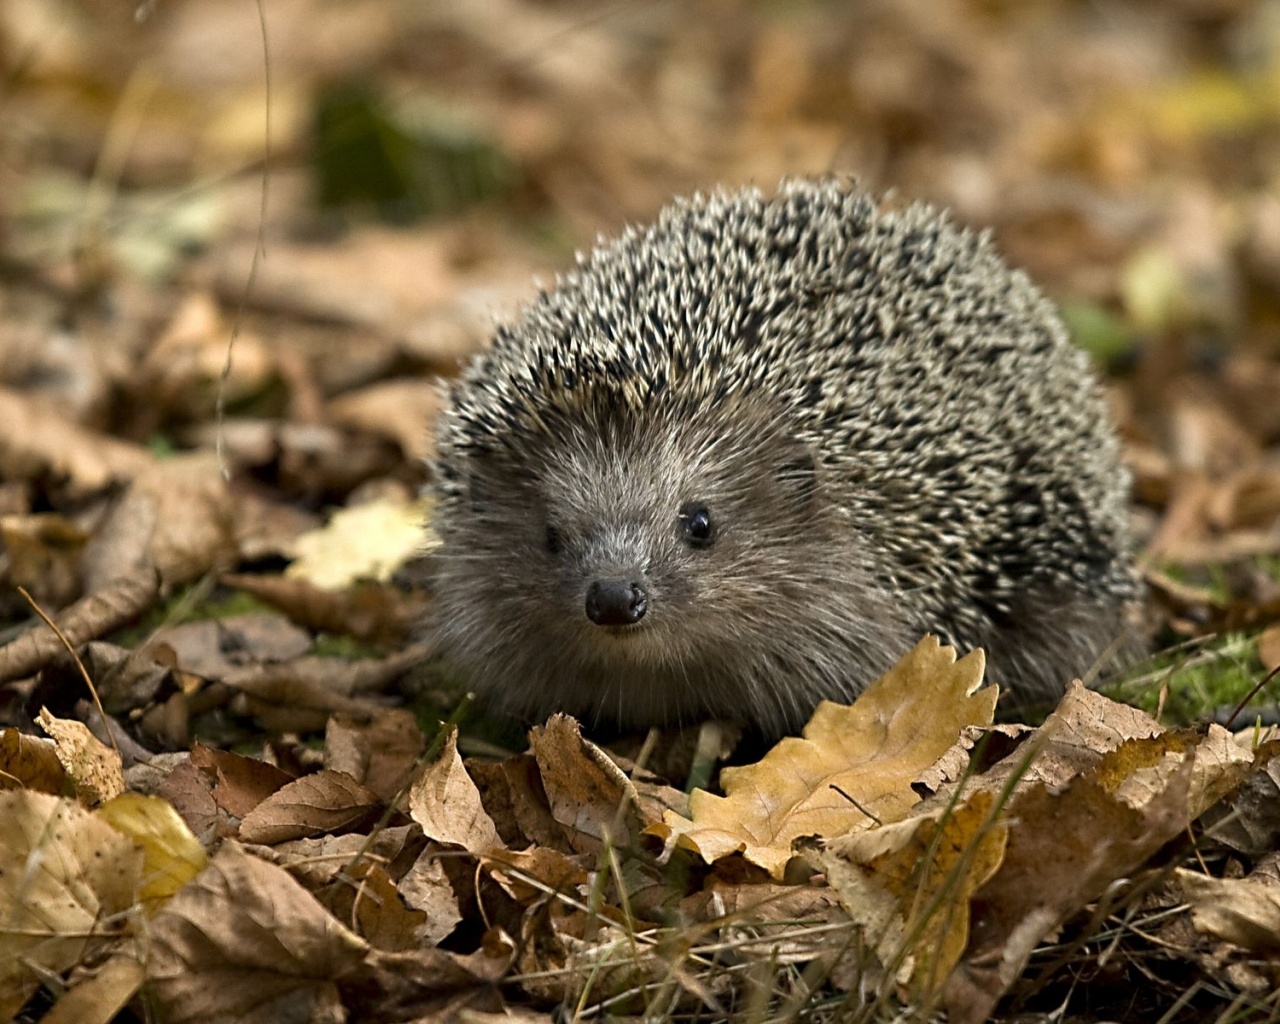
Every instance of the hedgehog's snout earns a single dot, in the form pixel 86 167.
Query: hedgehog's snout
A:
pixel 616 602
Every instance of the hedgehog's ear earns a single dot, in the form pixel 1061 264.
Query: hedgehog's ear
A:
pixel 796 470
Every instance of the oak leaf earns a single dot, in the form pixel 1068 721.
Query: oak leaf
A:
pixel 853 769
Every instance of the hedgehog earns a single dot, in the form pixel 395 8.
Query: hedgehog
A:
pixel 739 461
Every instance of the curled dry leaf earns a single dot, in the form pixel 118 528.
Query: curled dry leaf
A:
pixel 908 885
pixel 30 762
pixel 853 769
pixel 66 878
pixel 244 942
pixel 591 797
pixel 1064 848
pixel 313 805
pixel 446 803
pixel 1242 911
pixel 94 768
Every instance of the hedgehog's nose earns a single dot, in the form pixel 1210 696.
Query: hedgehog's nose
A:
pixel 616 602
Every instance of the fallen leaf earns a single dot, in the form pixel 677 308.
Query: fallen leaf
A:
pixel 325 801
pixel 177 518
pixel 94 768
pixel 213 648
pixel 66 879
pixel 853 769
pixel 241 783
pixel 368 541
pixel 908 886
pixel 30 762
pixel 446 803
pixel 1064 848
pixel 1242 911
pixel 40 442
pixel 367 610
pixel 591 797
pixel 171 855
pixel 102 993
pixel 245 944
pixel 380 754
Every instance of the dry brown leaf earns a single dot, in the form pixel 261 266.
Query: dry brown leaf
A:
pixel 30 762
pixel 1249 821
pixel 241 782
pixel 102 993
pixel 66 877
pixel 190 791
pixel 908 886
pixel 184 369
pixel 446 803
pixel 177 517
pixel 367 901
pixel 245 943
pixel 512 794
pixel 367 610
pixel 773 923
pixel 1242 911
pixel 300 695
pixel 39 442
pixel 381 754
pixel 529 875
pixel 324 802
pixel 213 648
pixel 317 862
pixel 397 409
pixel 591 797
pixel 426 887
pixel 1073 740
pixel 1064 848
pixel 853 769
pixel 94 615
pixel 44 550
pixel 1138 770
pixel 426 984
pixel 93 768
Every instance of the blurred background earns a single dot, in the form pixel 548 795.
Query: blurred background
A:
pixel 427 159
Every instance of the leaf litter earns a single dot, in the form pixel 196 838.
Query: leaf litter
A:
pixel 317 884
pixel 1095 861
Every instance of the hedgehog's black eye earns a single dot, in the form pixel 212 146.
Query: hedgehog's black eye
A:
pixel 554 541
pixel 695 521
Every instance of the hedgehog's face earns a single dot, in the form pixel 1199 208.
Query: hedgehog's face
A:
pixel 617 573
